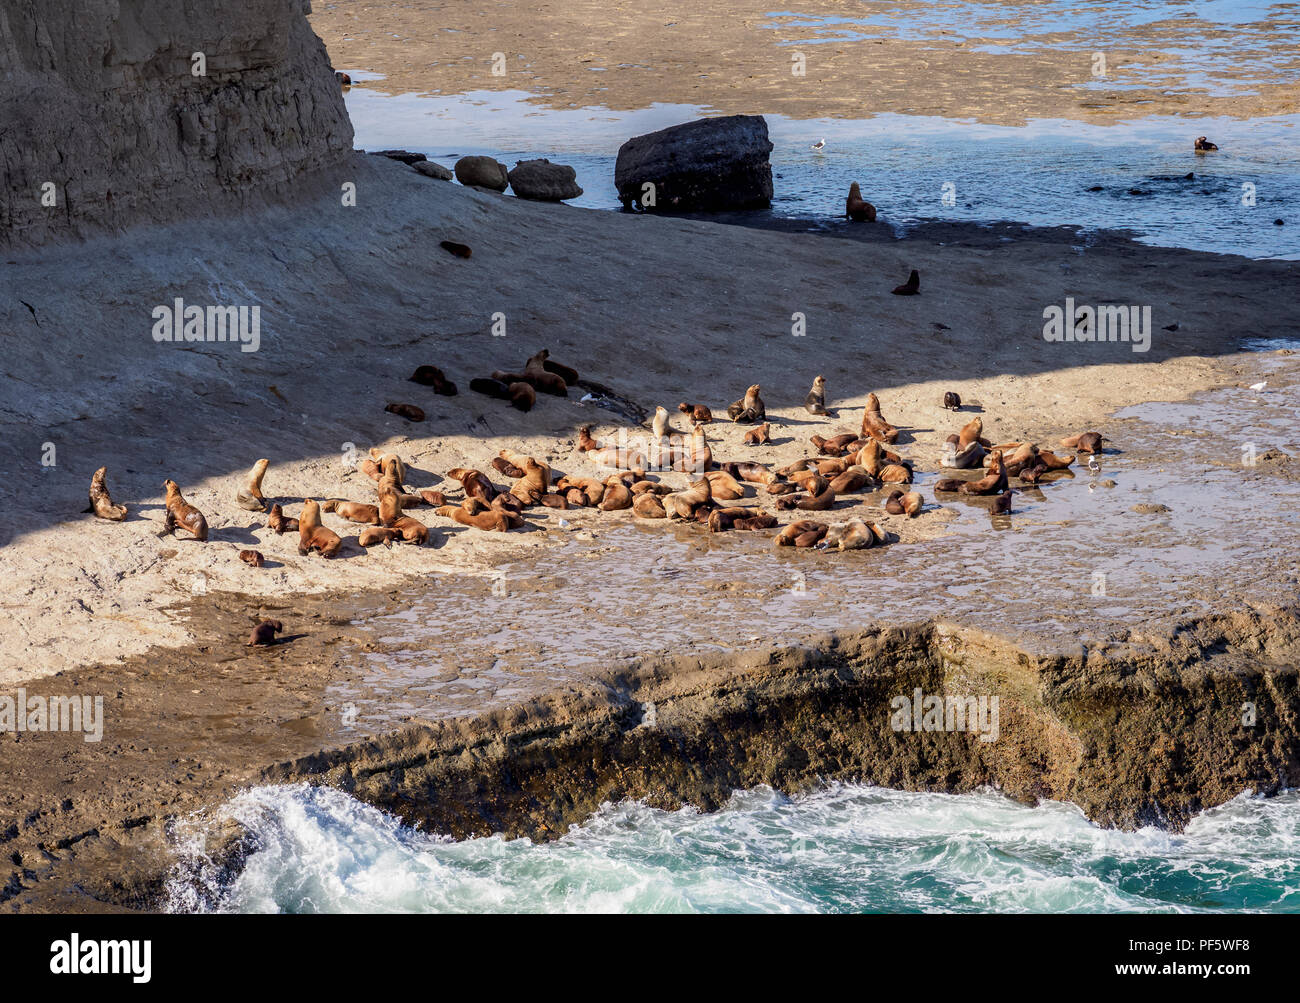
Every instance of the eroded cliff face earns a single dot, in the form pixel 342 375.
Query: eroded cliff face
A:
pixel 107 113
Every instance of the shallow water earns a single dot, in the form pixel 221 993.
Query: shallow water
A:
pixel 843 848
pixel 1131 175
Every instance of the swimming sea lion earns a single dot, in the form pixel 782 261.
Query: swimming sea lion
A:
pixel 312 535
pixel 181 513
pixel 911 287
pixel 874 424
pixel 432 376
pixel 699 414
pixel 101 502
pixel 1202 144
pixel 264 632
pixel 278 522
pixel 408 411
pixel 815 402
pixel 857 208
pixel 952 401
pixel 749 410
pixel 252 558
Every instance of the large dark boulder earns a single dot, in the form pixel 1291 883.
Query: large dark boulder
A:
pixel 544 181
pixel 711 165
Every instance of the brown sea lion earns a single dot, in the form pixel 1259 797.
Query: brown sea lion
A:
pixel 312 535
pixel 432 497
pixel 617 495
pixel 522 396
pixel 590 490
pixel 535 482
pixel 101 502
pixel 182 514
pixel 698 413
pixel 504 466
pixel 874 424
pixel 490 387
pixel 474 482
pixel 803 533
pixel 264 632
pixel 370 468
pixel 819 503
pixel 253 558
pixel 372 535
pixel 586 443
pixel 250 496
pixel 780 488
pixel 900 503
pixel 967 458
pixel 853 479
pixel 972 431
pixel 1053 462
pixel 754 473
pixel 452 247
pixel 952 401
pixel 1202 144
pixel 722 519
pixel 760 436
pixel 836 445
pixel 648 506
pixel 994 483
pixel 832 466
pixel 566 373
pixel 749 410
pixel 408 411
pixel 411 530
pixel 491 520
pixel 1002 503
pixel 1085 442
pixel 724 487
pixel 357 512
pixel 815 402
pixel 682 504
pixel 764 521
pixel 857 208
pixel 279 522
pixel 860 535
pixel 911 287
pixel 653 487
pixel 810 480
pixel 389 463
pixel 895 473
pixel 432 376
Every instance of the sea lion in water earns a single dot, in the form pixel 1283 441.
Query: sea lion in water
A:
pixel 995 482
pixel 1085 442
pixel 101 502
pixel 264 632
pixel 1202 144
pixel 874 424
pixel 857 208
pixel 312 535
pixel 909 504
pixel 372 535
pixel 1002 503
pixel 432 376
pixel 251 496
pixel 698 413
pixel 952 401
pixel 815 402
pixel 279 522
pixel 453 247
pixel 408 411
pixel 760 436
pixel 749 410
pixel 181 513
pixel 911 287
pixel 253 558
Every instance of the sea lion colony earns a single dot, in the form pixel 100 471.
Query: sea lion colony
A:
pixel 720 494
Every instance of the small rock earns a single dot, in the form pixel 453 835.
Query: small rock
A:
pixel 482 172
pixel 543 181
pixel 1151 508
pixel 431 170
pixel 1106 483
pixel 405 156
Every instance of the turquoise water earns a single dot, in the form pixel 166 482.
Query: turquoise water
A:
pixel 843 848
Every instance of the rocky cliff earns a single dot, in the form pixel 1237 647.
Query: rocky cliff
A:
pixel 115 112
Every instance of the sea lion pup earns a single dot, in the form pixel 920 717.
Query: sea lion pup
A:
pixel 749 410
pixel 181 513
pixel 253 558
pixel 1002 503
pixel 474 482
pixel 522 397
pixel 682 504
pixel 1202 144
pixel 909 504
pixel 312 535
pixel 761 436
pixel 411 530
pixel 857 208
pixel 590 491
pixel 343 79
pixel 372 535
pixel 101 502
pixel 432 376
pixel 264 632
pixel 370 468
pixel 1053 462
pixel 356 511
pixel 617 495
pixel 836 445
pixel 279 522
pixel 1085 442
pixel 659 424
pixel 815 402
pixel 490 387
pixel 754 473
pixel 972 431
pixel 874 424
pixel 586 443
pixel 698 413
pixel 855 478
pixel 434 498
pixel 723 486
pixel 911 287
pixel 491 520
pixel 250 497
pixel 566 373
pixel 951 401
pixel 994 483
pixel 408 411
pixel 535 482
pixel 504 466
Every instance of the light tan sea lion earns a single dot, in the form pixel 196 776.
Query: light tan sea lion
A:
pixel 724 487
pixel 251 496
pixel 358 512
pixel 490 520
pixel 648 506
pixel 101 502
pixel 874 424
pixel 760 436
pixel 683 504
pixel 372 535
pixel 535 482
pixel 617 495
pixel 182 514
pixel 312 535
pixel 411 530
pixel 972 431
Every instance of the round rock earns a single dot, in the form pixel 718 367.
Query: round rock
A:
pixel 482 172
pixel 543 181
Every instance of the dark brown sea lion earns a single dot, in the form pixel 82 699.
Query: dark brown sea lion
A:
pixel 899 503
pixel 1002 503
pixel 474 482
pixel 279 522
pixel 408 411
pixel 522 396
pixel 699 414
pixel 836 445
pixel 250 497
pixel 182 514
pixel 343 78
pixel 264 632
pixel 460 250
pixel 253 558
pixel 101 502
pixel 1202 144
pixel 722 519
pixel 874 424
pixel 994 483
pixel 951 401
pixel 312 535
pixel 855 478
pixel 815 402
pixel 911 287
pixel 432 376
pixel 763 521
pixel 566 373
pixel 749 410
pixel 1085 442
pixel 857 208
pixel 504 466
pixel 490 387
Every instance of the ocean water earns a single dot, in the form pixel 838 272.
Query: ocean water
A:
pixel 843 848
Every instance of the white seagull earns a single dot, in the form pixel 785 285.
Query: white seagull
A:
pixel 819 145
pixel 1259 386
pixel 1093 465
